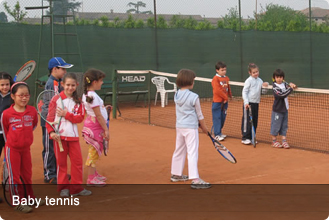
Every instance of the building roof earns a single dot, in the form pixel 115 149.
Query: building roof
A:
pixel 316 12
pixel 123 16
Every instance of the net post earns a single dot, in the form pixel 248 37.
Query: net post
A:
pixel 114 94
pixel 149 95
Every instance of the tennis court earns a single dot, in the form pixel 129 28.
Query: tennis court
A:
pixel 141 154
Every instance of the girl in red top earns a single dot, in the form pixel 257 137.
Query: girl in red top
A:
pixel 72 114
pixel 18 123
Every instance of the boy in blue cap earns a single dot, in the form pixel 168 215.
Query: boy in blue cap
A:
pixel 57 69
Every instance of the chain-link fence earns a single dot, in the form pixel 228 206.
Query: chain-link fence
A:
pixel 168 35
pixel 207 9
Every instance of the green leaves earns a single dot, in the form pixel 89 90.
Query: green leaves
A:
pixel 16 13
pixel 271 18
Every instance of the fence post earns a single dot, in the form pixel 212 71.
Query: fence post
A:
pixel 149 95
pixel 311 47
pixel 156 37
pixel 114 94
pixel 240 33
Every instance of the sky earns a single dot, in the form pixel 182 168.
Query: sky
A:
pixel 205 8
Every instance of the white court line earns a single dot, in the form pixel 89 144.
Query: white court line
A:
pixel 264 175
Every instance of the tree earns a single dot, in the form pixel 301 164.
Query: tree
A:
pixel 150 22
pixel 130 22
pixel 136 8
pixel 3 17
pixel 63 7
pixel 161 23
pixel 176 22
pixel 230 20
pixel 16 13
pixel 204 25
pixel 281 18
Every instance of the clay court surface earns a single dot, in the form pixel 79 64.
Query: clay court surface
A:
pixel 141 154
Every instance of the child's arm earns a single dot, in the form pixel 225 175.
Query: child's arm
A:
pixel 245 92
pixel 4 124
pixel 229 93
pixel 51 118
pixel 101 121
pixel 203 126
pixel 264 87
pixel 73 118
pixel 35 120
pixel 279 93
pixel 202 123
pixel 292 85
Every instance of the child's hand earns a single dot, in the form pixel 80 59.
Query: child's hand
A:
pixel 292 85
pixel 55 136
pixel 265 84
pixel 246 106
pixel 108 107
pixel 106 135
pixel 60 112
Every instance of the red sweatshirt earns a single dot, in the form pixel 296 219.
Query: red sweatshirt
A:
pixel 221 88
pixel 68 128
pixel 18 126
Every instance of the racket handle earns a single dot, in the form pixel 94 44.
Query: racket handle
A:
pixel 105 147
pixel 60 146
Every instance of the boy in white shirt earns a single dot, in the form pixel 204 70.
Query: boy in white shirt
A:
pixel 251 97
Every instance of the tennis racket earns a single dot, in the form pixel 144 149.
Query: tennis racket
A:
pixel 212 131
pixel 105 142
pixel 223 150
pixel 25 71
pixel 50 97
pixel 253 130
pixel 8 190
pixel 4 174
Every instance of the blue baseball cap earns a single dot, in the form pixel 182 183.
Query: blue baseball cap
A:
pixel 58 62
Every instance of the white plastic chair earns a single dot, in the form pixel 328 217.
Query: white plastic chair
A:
pixel 160 85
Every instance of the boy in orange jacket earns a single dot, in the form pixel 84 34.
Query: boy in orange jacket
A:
pixel 221 93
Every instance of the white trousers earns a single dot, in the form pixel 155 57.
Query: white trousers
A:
pixel 187 142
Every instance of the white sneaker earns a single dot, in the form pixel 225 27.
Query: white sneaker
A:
pixel 65 193
pixel 84 192
pixel 23 208
pixel 219 138
pixel 246 142
pixel 200 184
pixel 223 136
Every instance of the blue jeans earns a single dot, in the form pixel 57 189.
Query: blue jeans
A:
pixel 219 111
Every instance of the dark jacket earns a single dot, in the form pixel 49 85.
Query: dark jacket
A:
pixel 5 102
pixel 279 104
